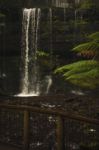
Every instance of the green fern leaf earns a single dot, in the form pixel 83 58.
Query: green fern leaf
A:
pixel 94 36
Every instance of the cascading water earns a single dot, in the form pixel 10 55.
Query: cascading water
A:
pixel 30 71
pixel 77 1
pixel 64 11
pixel 26 16
pixel 48 78
pixel 60 3
pixel 51 46
pixel 34 67
pixel 30 82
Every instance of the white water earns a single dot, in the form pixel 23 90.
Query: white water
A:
pixel 30 82
pixel 77 1
pixel 26 17
pixel 64 11
pixel 60 3
pixel 63 3
pixel 51 45
pixel 34 72
pixel 49 83
pixel 30 73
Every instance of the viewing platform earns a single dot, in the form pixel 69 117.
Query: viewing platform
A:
pixel 8 147
pixel 32 127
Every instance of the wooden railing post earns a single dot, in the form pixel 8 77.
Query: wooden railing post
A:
pixel 59 133
pixel 26 130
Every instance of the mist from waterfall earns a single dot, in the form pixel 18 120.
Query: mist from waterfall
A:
pixel 30 69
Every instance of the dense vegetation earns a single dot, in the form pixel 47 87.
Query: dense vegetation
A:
pixel 71 28
pixel 83 71
pixel 69 46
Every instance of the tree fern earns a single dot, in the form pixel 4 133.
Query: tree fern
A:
pixel 94 36
pixel 78 66
pixel 90 48
pixel 84 73
pixel 86 78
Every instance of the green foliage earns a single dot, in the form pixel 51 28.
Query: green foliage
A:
pixel 78 66
pixel 84 73
pixel 87 4
pixel 2 15
pixel 42 54
pixel 94 36
pixel 86 79
pixel 87 49
pixel 90 48
pixel 43 59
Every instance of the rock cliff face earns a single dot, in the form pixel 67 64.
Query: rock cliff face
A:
pixel 24 3
pixel 12 22
pixel 35 3
pixel 10 44
pixel 12 10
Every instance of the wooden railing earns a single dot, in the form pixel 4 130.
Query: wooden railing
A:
pixel 60 117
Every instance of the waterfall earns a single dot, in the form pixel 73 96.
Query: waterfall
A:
pixel 77 1
pixel 34 67
pixel 30 27
pixel 64 13
pixel 60 3
pixel 50 24
pixel 26 19
pixel 48 81
pixel 48 78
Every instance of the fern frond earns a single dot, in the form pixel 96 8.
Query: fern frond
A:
pixel 61 69
pixel 83 73
pixel 87 49
pixel 94 46
pixel 77 66
pixel 42 53
pixel 89 79
pixel 94 36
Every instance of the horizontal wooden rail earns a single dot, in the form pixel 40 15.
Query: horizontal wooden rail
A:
pixel 50 111
pixel 59 114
